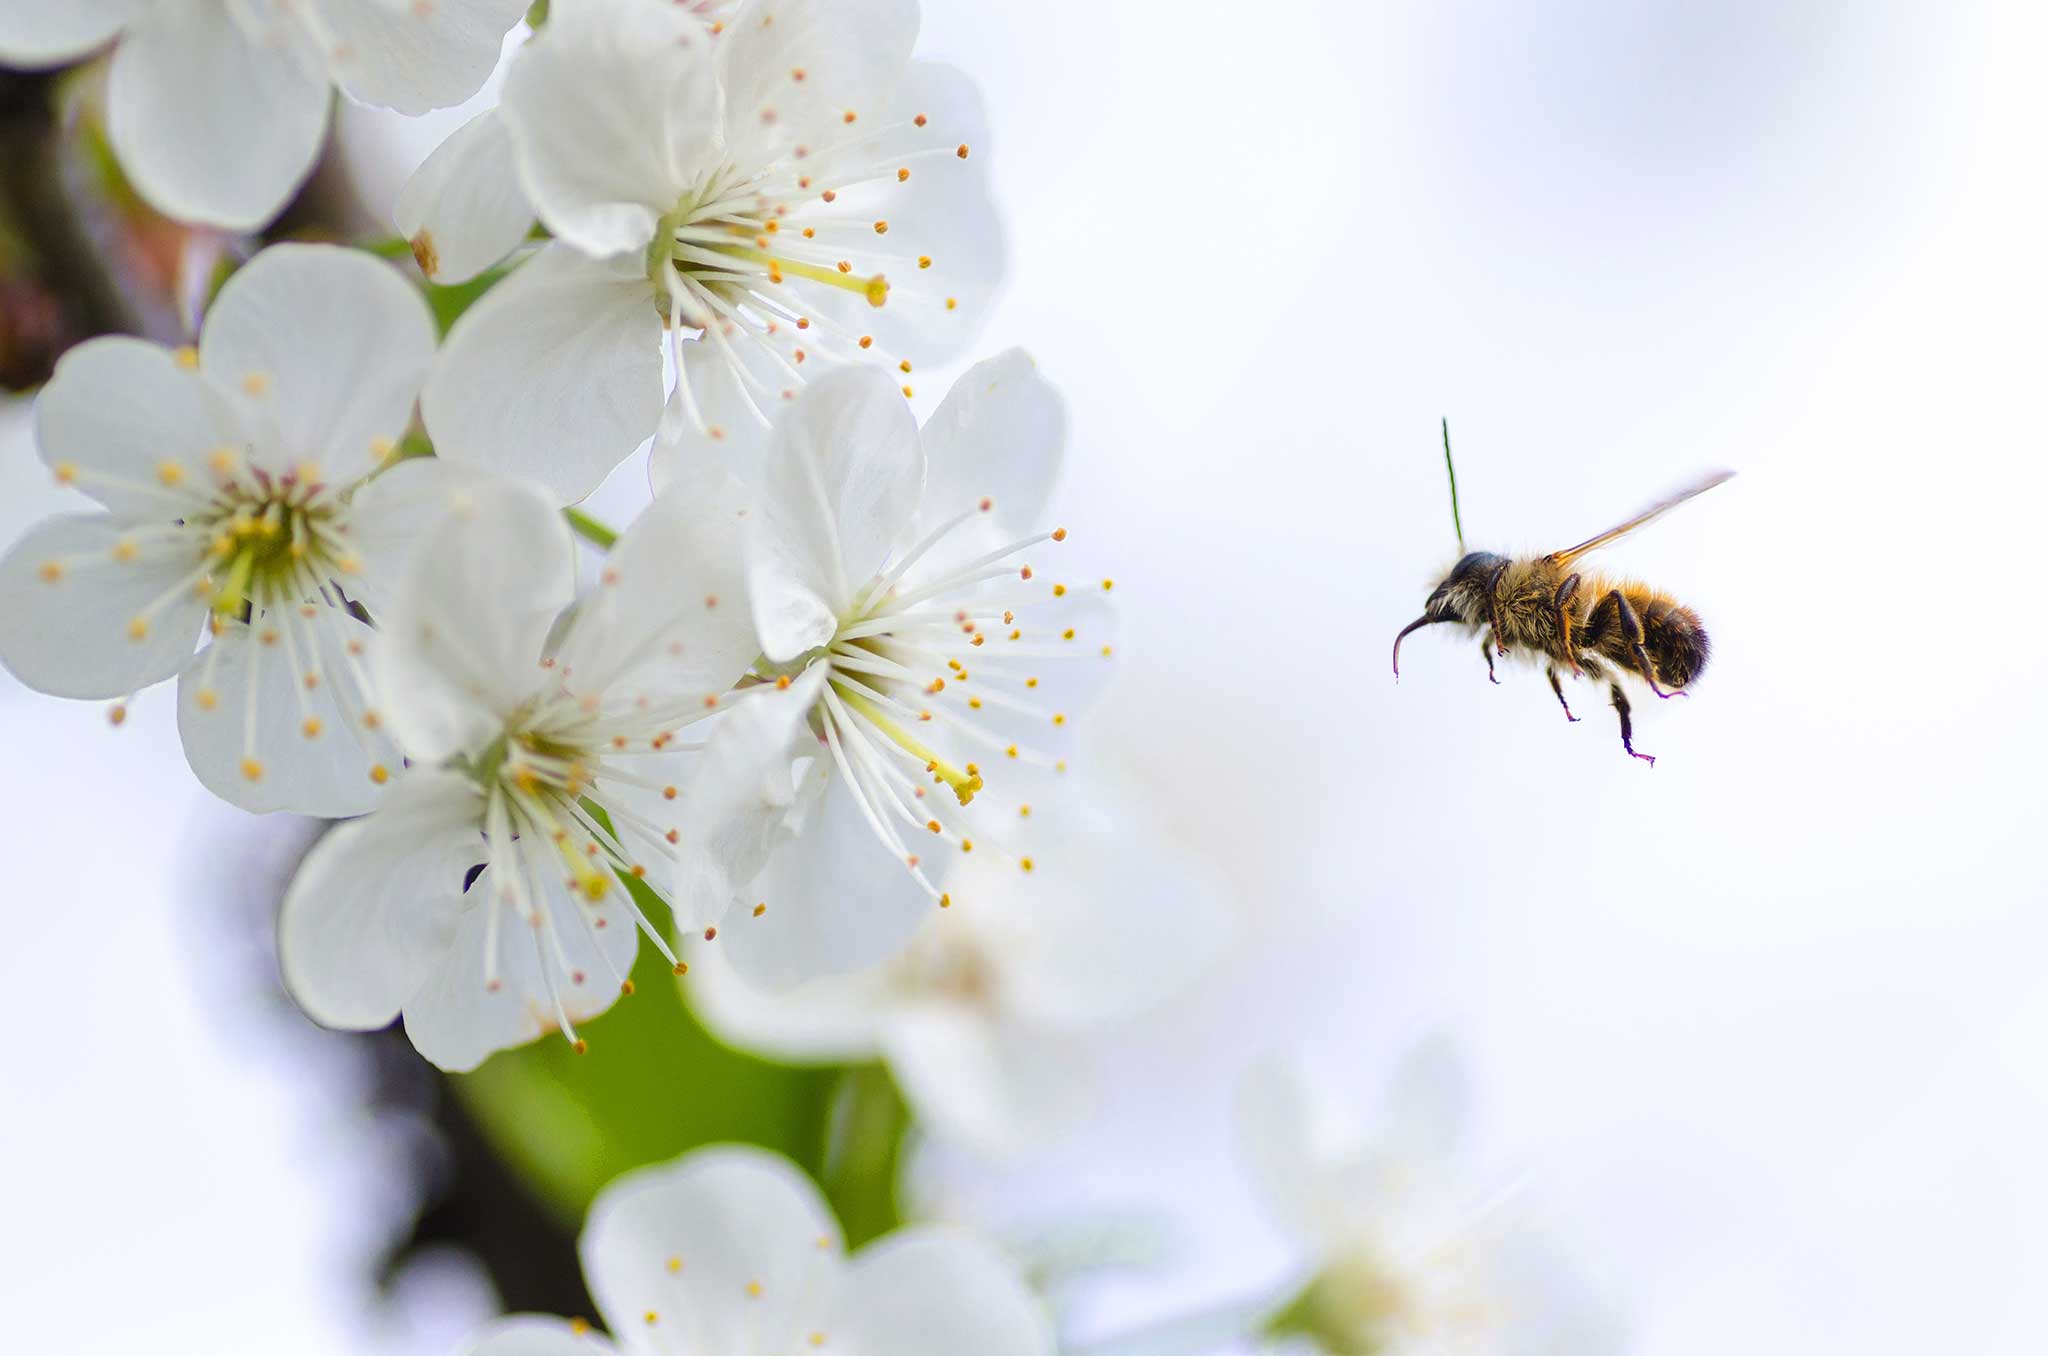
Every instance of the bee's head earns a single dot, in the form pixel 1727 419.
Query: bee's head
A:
pixel 1461 596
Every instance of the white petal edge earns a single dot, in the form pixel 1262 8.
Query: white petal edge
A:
pixel 209 126
pixel 555 375
pixel 613 112
pixel 751 1241
pixel 374 905
pixel 463 209
pixel 931 1291
pixel 39 33
pixel 463 636
pixel 325 349
pixel 840 491
pixel 67 605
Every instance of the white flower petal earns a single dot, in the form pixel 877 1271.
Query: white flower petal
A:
pixel 327 347
pixel 555 375
pixel 993 1089
pixel 77 621
pixel 727 1248
pixel 464 210
pixel 463 637
pixel 837 899
pixel 413 57
pixel 456 1019
pixel 1108 923
pixel 839 492
pixel 396 513
pixel 669 618
pixel 1000 432
pixel 210 126
pixel 944 254
pixel 792 70
pixel 936 1292
pixel 37 33
pixel 740 802
pixel 244 705
pixel 534 1335
pixel 737 388
pixel 834 1020
pixel 124 409
pixel 374 904
pixel 614 114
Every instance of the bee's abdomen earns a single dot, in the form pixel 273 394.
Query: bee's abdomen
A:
pixel 1673 638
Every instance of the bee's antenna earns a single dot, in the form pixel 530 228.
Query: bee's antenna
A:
pixel 1456 521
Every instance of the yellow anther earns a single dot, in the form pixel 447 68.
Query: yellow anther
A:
pixel 675 1266
pixel 962 152
pixel 252 769
pixel 207 698
pixel 138 628
pixel 1059 718
pixel 50 571
pixel 1059 590
pixel 1067 634
pixel 170 472
pixel 1059 534
pixel 967 845
pixel 379 773
pixel 1025 862
pixel 760 909
pixel 185 356
pixel 221 460
pixel 1108 584
pixel 66 472
pixel 311 729
pixel 924 261
pixel 881 228
pixel 256 383
pixel 952 303
pixel 1011 751
pixel 1023 812
pixel 945 901
pixel 579 1327
pixel 902 175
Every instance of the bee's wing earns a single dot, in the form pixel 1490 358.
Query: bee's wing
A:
pixel 1647 516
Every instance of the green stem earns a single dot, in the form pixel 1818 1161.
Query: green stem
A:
pixel 590 529
pixel 864 1153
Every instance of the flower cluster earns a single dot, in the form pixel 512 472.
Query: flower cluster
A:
pixel 802 728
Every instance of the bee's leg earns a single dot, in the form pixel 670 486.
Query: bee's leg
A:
pixel 1627 729
pixel 1562 602
pixel 1486 652
pixel 1550 672
pixel 1493 603
pixel 1632 632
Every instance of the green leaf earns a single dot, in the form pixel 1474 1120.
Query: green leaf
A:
pixel 451 301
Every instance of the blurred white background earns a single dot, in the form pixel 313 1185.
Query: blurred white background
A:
pixel 1764 1024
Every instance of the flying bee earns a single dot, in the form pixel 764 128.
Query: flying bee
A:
pixel 1595 626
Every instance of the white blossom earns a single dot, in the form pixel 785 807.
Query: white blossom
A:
pixel 248 493
pixel 732 1250
pixel 781 195
pixel 917 656
pixel 545 750
pixel 217 109
pixel 983 1016
pixel 1407 1253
